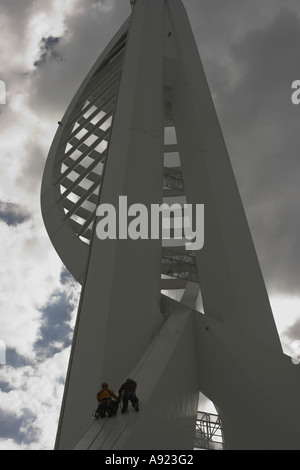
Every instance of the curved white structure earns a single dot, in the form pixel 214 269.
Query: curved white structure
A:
pixel 143 125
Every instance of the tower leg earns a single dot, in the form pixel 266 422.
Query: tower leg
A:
pixel 255 388
pixel 227 264
pixel 119 310
pixel 168 392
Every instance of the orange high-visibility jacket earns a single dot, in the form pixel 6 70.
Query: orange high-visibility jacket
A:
pixel 106 394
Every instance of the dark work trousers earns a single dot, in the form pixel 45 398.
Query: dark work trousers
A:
pixel 129 396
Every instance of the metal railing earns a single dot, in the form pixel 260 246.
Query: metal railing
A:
pixel 179 265
pixel 209 433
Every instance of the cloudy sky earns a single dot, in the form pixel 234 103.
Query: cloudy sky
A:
pixel 250 50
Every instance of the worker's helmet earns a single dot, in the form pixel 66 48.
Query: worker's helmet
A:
pixel 104 385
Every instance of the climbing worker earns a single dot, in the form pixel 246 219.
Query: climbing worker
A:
pixel 108 402
pixel 127 393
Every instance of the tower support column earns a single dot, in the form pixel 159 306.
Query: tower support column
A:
pixel 119 309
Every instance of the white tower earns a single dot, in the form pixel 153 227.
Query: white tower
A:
pixel 143 125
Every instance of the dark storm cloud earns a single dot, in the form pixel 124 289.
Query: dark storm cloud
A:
pixel 18 12
pixel 13 214
pixel 251 83
pixel 19 9
pixel 88 29
pixel 48 51
pixel 270 127
pixel 268 62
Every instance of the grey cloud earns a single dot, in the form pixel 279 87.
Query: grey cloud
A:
pixel 20 429
pixel 55 331
pixel 292 333
pixel 13 214
pixel 48 51
pixel 87 31
pixel 31 167
pixel 260 125
pixel 5 387
pixel 268 60
pixel 18 13
pixel 18 9
pixel 65 276
pixel 15 360
pixel 105 4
